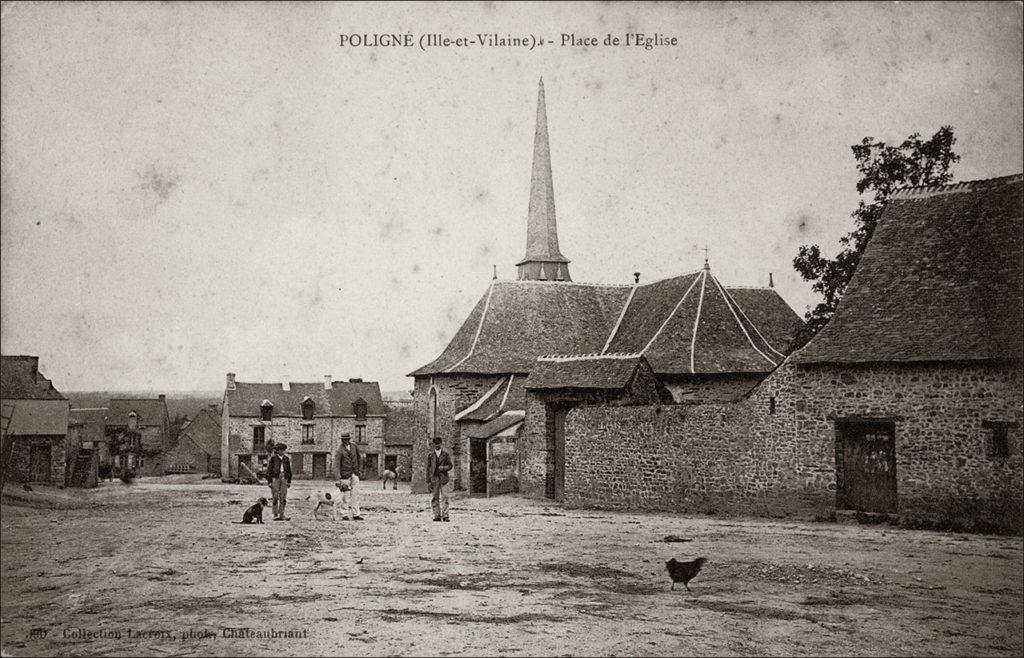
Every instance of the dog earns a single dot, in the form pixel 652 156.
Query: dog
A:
pixel 255 513
pixel 325 499
pixel 392 476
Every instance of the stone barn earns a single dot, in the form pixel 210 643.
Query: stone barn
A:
pixel 36 423
pixel 908 403
pixel 703 340
pixel 198 445
pixel 138 432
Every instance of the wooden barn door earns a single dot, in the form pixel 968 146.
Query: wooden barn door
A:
pixel 39 463
pixel 869 466
pixel 556 450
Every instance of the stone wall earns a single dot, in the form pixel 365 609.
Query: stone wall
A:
pixel 327 433
pixel 774 453
pixel 454 393
pixel 502 466
pixel 709 388
pixel 21 458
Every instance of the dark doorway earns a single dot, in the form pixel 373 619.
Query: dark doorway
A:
pixel 556 450
pixel 320 466
pixel 370 467
pixel 868 467
pixel 39 463
pixel 478 466
pixel 391 463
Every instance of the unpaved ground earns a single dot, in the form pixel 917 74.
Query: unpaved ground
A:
pixel 507 576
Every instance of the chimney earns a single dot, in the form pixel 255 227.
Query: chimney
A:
pixel 355 380
pixel 771 284
pixel 285 385
pixel 636 277
pixel 327 382
pixel 231 381
pixel 161 397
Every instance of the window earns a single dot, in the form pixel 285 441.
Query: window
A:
pixel 359 408
pixel 266 410
pixel 259 437
pixel 359 433
pixel 771 404
pixel 307 434
pixel 142 461
pixel 307 409
pixel 999 441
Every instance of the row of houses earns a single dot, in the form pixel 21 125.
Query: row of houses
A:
pixel 47 441
pixel 685 395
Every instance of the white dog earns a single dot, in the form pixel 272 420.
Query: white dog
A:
pixel 325 499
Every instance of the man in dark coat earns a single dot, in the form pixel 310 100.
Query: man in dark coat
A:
pixel 439 462
pixel 279 474
pixel 350 469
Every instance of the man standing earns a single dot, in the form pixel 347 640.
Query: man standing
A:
pixel 350 467
pixel 438 464
pixel 279 474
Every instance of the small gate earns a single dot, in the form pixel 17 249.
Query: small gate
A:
pixel 869 466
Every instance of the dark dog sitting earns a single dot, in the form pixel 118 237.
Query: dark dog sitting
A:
pixel 683 572
pixel 255 513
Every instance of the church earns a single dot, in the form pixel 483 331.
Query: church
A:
pixel 534 348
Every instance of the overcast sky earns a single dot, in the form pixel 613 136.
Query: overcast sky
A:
pixel 192 189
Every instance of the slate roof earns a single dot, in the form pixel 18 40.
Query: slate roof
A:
pixel 499 424
pixel 610 371
pixel 940 280
pixel 738 329
pixel 508 394
pixel 93 422
pixel 20 379
pixel 245 399
pixel 400 428
pixel 149 411
pixel 205 431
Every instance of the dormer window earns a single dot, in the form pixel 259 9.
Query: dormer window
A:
pixel 307 409
pixel 133 420
pixel 266 410
pixel 359 408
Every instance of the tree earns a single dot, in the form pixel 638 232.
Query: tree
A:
pixel 883 169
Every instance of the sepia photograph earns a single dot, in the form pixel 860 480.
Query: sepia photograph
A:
pixel 512 328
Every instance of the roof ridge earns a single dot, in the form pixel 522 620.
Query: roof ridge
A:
pixel 591 356
pixel 925 191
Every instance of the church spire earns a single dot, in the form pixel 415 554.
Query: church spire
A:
pixel 541 229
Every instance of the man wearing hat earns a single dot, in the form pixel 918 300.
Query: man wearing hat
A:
pixel 439 462
pixel 279 474
pixel 350 467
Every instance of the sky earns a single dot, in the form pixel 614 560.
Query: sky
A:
pixel 195 189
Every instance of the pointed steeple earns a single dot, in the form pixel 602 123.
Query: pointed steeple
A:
pixel 541 228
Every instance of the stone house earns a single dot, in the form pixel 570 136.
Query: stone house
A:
pixel 908 403
pixel 198 445
pixel 36 423
pixel 703 341
pixel 88 451
pixel 138 432
pixel 399 434
pixel 310 419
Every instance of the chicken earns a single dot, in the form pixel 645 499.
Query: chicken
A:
pixel 684 572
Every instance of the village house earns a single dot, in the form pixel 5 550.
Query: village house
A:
pixel 399 437
pixel 702 340
pixel 35 417
pixel 908 404
pixel 138 432
pixel 198 445
pixel 310 419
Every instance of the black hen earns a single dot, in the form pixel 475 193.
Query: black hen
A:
pixel 684 572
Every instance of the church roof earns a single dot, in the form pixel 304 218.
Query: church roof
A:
pixel 737 330
pixel 507 394
pixel 245 399
pixel 940 280
pixel 601 371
